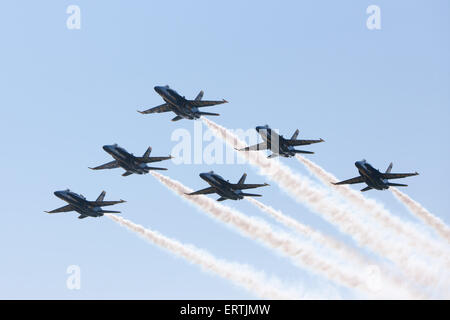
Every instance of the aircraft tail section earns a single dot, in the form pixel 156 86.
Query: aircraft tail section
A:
pixel 147 153
pixel 109 211
pixel 101 196
pixel 242 179
pixel 302 151
pixel 388 170
pixel 295 135
pixel 199 96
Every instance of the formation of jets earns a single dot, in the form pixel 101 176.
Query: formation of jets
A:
pixel 189 109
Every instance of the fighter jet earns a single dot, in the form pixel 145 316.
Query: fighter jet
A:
pixel 278 144
pixel 129 162
pixel 77 202
pixel 225 189
pixel 183 108
pixel 374 178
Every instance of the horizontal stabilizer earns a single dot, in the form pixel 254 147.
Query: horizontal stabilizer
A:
pixel 251 195
pixel 302 151
pixel 127 173
pixel 109 211
pixel 155 168
pixel 396 184
pixel 207 113
pixel 104 203
pixel 222 199
pixel 82 216
pixel 366 189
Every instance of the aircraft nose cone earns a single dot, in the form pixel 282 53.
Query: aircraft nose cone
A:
pixel 107 148
pixel 157 89
pixel 58 193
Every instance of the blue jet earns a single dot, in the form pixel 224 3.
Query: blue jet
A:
pixel 77 202
pixel 183 108
pixel 374 178
pixel 225 189
pixel 130 163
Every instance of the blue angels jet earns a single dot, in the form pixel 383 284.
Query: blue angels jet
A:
pixel 129 162
pixel 182 107
pixel 225 189
pixel 374 178
pixel 279 145
pixel 77 202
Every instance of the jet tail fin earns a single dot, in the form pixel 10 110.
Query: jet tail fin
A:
pixel 147 153
pixel 295 135
pixel 199 96
pixel 388 170
pixel 242 179
pixel 101 196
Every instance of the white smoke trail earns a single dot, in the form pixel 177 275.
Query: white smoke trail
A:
pixel 415 238
pixel 303 255
pixel 302 190
pixel 423 214
pixel 348 254
pixel 241 275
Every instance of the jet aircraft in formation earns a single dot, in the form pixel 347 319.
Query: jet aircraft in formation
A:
pixel 189 109
pixel 182 107
pixel 374 178
pixel 225 189
pixel 278 144
pixel 77 202
pixel 129 162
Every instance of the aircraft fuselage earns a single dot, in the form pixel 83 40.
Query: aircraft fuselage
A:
pixel 179 104
pixel 221 186
pixel 372 177
pixel 79 203
pixel 125 159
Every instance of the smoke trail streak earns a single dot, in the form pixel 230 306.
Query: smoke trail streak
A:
pixel 302 190
pixel 241 275
pixel 413 236
pixel 423 214
pixel 348 254
pixel 303 255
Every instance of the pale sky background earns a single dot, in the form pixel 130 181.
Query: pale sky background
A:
pixel 381 95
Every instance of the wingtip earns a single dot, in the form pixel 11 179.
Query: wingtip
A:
pixel 321 140
pixel 225 101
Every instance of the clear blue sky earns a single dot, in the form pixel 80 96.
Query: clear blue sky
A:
pixel 381 95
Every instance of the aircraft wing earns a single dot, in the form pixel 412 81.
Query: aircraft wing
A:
pixel 162 108
pixel 351 181
pixel 259 146
pixel 398 175
pixel 302 142
pixel 152 159
pixel 203 191
pixel 240 186
pixel 205 103
pixel 62 209
pixel 104 203
pixel 109 165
